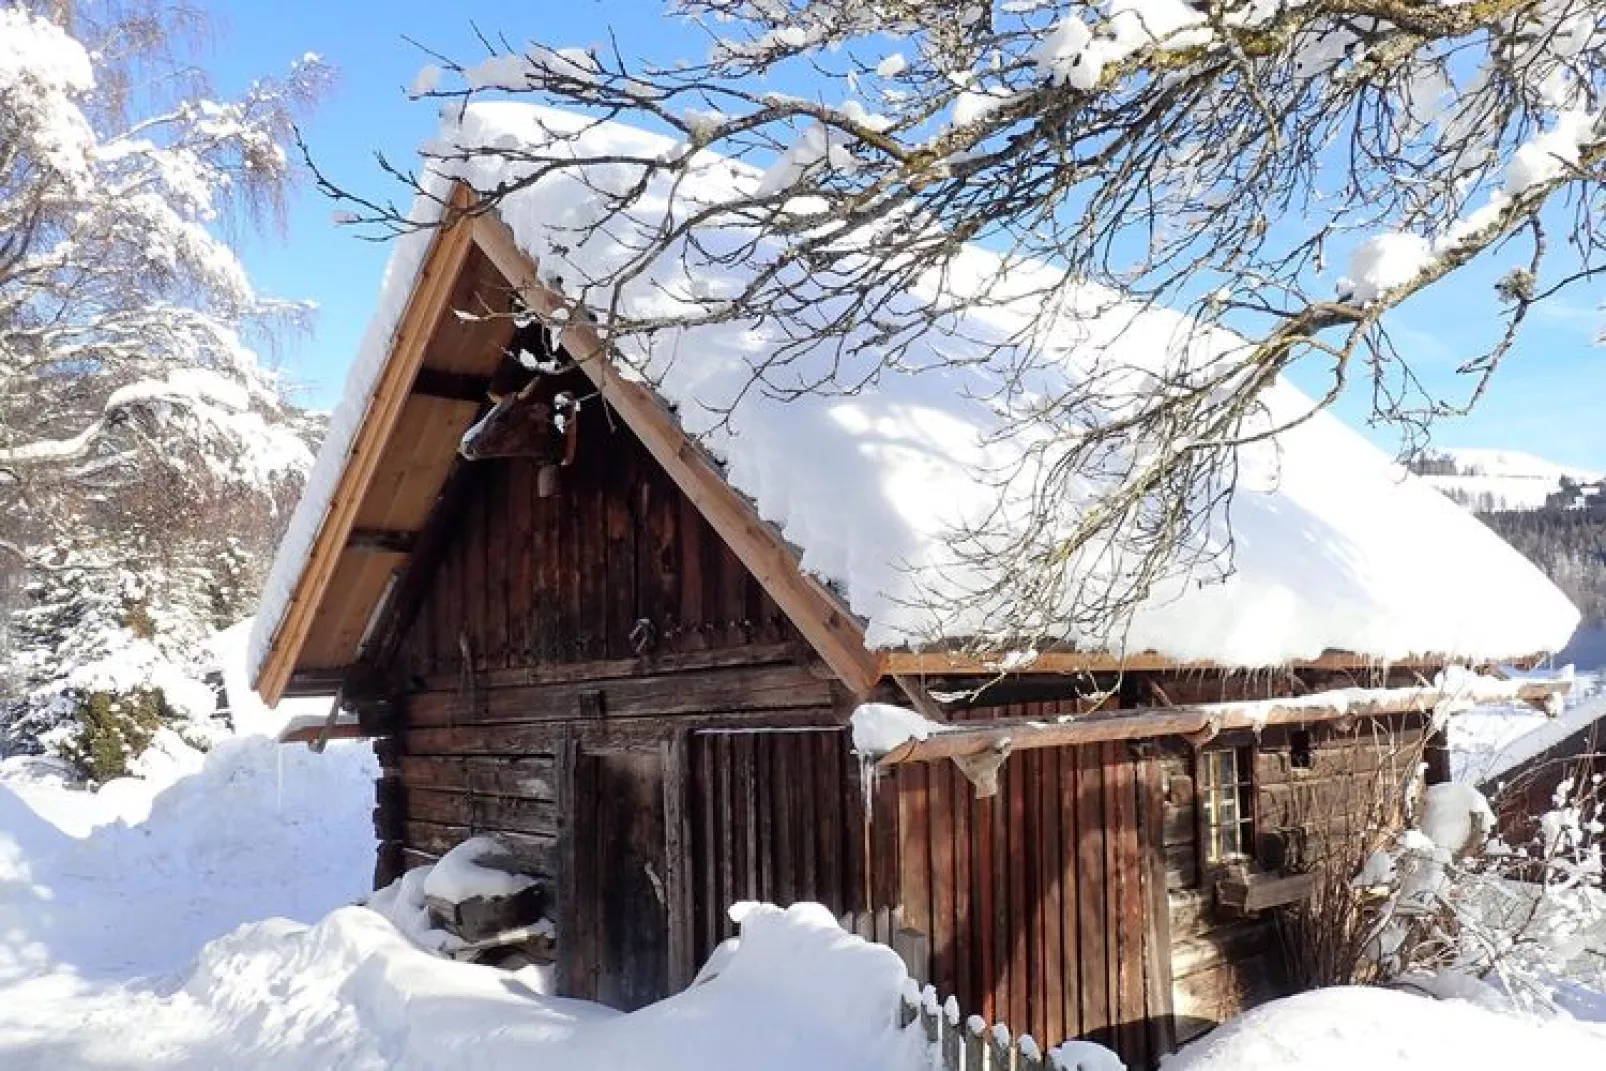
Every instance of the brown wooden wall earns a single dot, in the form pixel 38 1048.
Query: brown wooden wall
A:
pixel 1043 904
pixel 532 581
pixel 1222 964
pixel 778 816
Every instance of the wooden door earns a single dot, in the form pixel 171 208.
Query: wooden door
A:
pixel 620 942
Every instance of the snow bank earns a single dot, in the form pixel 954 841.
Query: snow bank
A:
pixel 136 877
pixel 1334 547
pixel 795 994
pixel 1347 1029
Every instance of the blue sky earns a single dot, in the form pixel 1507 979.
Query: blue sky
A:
pixel 1549 399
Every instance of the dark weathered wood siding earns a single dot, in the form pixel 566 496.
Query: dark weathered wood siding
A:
pixel 616 564
pixel 1222 964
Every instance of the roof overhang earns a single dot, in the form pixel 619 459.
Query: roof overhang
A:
pixel 389 484
pixel 1204 721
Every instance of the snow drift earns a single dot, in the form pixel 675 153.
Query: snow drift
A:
pixel 1379 1030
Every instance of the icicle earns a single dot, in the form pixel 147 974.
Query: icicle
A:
pixel 278 779
pixel 869 781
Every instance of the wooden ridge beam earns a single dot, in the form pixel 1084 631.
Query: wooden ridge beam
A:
pixel 442 263
pixel 1204 719
pixel 822 618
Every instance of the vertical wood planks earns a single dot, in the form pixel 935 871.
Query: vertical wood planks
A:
pixel 1051 1023
pixel 1092 919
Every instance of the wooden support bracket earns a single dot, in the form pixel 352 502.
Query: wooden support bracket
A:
pixel 1203 735
pixel 982 770
pixel 919 698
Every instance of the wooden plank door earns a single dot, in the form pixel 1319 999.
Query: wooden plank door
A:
pixel 621 914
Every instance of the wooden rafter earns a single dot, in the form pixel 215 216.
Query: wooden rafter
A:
pixel 381 539
pixel 1202 720
pixel 822 618
pixel 442 263
pixel 943 664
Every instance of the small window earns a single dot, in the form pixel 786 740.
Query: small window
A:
pixel 1226 791
pixel 1299 749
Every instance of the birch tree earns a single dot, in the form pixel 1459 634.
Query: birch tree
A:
pixel 124 315
pixel 147 458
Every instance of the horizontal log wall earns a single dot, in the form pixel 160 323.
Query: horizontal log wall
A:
pixel 489 759
pixel 616 564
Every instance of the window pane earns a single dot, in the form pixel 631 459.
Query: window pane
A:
pixel 1227 806
pixel 1231 842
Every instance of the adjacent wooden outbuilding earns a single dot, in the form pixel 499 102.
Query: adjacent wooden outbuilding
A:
pixel 588 642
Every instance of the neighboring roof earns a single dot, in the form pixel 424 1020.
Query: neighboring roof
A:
pixel 1548 735
pixel 1334 547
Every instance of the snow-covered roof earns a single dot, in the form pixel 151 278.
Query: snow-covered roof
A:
pixel 1336 549
pixel 1547 735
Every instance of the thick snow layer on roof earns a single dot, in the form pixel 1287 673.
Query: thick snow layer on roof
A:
pixel 1334 547
pixel 1547 735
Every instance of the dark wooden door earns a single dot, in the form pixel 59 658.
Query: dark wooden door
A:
pixel 621 917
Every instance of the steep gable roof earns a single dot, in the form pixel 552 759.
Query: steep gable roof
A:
pixel 1335 548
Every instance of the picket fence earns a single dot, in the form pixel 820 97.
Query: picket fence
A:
pixel 975 1046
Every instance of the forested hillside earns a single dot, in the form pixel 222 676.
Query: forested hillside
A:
pixel 1568 544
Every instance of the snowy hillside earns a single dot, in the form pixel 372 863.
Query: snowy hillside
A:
pixel 1485 479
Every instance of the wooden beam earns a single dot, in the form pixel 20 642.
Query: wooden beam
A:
pixel 1142 723
pixel 920 698
pixel 309 732
pixel 823 619
pixel 442 263
pixel 453 386
pixel 381 539
pixel 945 664
pixel 428 549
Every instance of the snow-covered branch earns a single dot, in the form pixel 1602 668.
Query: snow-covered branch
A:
pixel 1110 155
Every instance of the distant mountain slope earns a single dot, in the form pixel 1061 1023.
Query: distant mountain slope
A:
pixel 1487 480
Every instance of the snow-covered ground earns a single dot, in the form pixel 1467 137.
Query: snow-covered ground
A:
pixel 1354 1029
pixel 198 918
pixel 107 898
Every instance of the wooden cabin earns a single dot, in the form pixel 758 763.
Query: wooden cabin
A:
pixel 589 641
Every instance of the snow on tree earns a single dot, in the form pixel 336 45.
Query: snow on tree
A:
pixel 1217 156
pixel 145 453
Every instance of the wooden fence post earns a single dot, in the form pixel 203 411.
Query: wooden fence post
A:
pixel 1001 1051
pixel 975 1044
